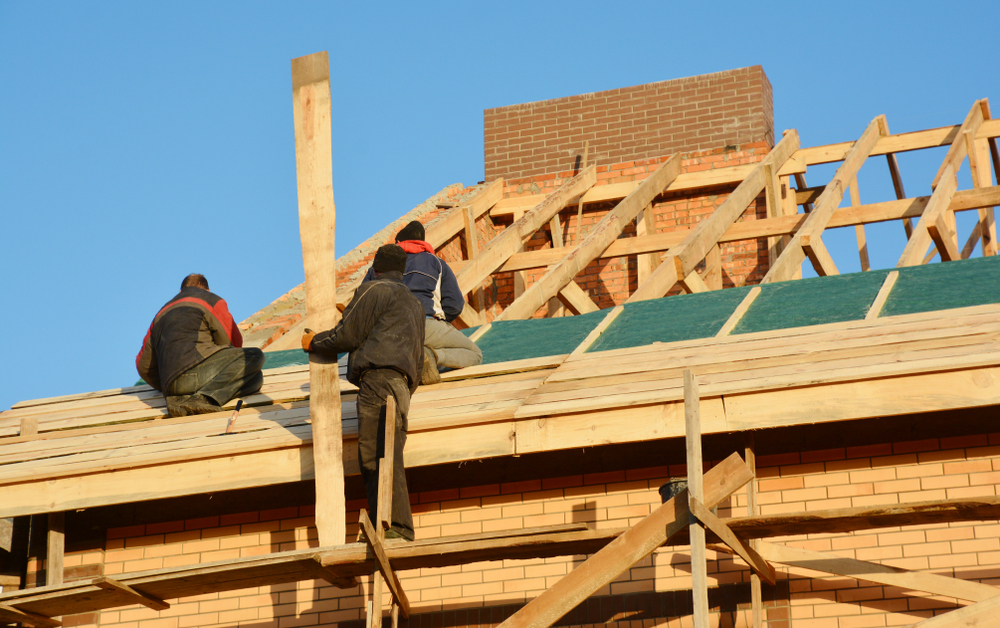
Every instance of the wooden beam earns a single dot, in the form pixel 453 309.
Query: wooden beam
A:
pixel 756 597
pixel 476 335
pixel 56 549
pixel 826 205
pixel 750 556
pixel 815 250
pixel 600 238
pixel 12 615
pixel 317 224
pixel 472 248
pixel 897 185
pixel 579 205
pixel 979 167
pixel 644 225
pixel 959 149
pixel 627 549
pixel 576 299
pixel 149 601
pixel 878 573
pixel 510 240
pixel 596 332
pixel 738 313
pixel 374 541
pixel 692 282
pixel 944 238
pixel 696 245
pixel 696 492
pixel 859 230
pixel 979 615
pixel 882 296
pixel 385 470
pixel 913 253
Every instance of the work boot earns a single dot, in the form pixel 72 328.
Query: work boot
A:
pixel 200 404
pixel 429 374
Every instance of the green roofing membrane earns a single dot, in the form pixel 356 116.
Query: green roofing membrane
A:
pixel 536 337
pixel 813 301
pixel 945 286
pixel 681 317
pixel 799 303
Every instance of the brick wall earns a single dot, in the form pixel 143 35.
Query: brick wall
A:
pixel 632 123
pixel 654 592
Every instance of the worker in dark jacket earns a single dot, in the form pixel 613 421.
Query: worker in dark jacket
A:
pixel 383 329
pixel 193 353
pixel 433 282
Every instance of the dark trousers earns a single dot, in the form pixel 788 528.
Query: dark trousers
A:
pixel 226 374
pixel 376 385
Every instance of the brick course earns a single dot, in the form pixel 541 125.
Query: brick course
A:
pixel 632 123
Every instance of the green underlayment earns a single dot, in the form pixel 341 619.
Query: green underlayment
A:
pixel 804 302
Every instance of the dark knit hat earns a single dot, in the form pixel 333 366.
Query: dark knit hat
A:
pixel 412 231
pixel 388 258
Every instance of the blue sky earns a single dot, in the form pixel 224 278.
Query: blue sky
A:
pixel 143 141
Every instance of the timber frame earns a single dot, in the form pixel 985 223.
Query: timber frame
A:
pixel 58 454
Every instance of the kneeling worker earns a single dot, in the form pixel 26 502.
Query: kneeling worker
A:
pixel 193 353
pixel 383 329
pixel 433 282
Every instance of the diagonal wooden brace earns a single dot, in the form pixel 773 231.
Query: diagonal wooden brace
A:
pixel 375 544
pixel 630 547
pixel 147 600
pixel 760 566
pixel 9 614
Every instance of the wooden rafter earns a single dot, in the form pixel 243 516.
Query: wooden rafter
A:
pixel 597 241
pixel 807 240
pixel 913 253
pixel 681 260
pixel 510 240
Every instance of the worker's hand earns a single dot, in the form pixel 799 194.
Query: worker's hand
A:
pixel 307 339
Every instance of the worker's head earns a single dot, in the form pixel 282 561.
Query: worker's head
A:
pixel 412 231
pixel 195 280
pixel 388 258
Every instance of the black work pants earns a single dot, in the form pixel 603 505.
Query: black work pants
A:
pixel 226 374
pixel 376 386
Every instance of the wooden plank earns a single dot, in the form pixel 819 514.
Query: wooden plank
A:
pixel 878 573
pixel 476 335
pixel 145 599
pixel 859 230
pixel 706 235
pixel 16 616
pixel 645 225
pixel 692 282
pixel 883 294
pixel 978 615
pixel 627 549
pixel 944 238
pixel 757 563
pixel 317 224
pixel 713 268
pixel 591 247
pixel 913 253
pixel 826 205
pixel 756 599
pixel 739 312
pixel 579 205
pixel 385 471
pixel 695 494
pixel 897 185
pixel 510 240
pixel 472 248
pixel 596 332
pixel 374 541
pixel 55 549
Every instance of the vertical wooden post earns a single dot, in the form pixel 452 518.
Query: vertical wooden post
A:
pixel 859 230
pixel 756 598
pixel 55 549
pixel 579 205
pixel 317 223
pixel 647 262
pixel 472 248
pixel 518 275
pixel 556 308
pixel 385 467
pixel 699 565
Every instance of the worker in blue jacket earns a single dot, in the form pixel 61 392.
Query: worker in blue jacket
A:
pixel 431 280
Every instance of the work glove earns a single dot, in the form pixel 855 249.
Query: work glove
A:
pixel 307 339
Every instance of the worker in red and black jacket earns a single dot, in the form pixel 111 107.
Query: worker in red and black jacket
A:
pixel 193 353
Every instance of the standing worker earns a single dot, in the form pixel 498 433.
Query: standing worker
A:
pixel 383 329
pixel 433 282
pixel 193 353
